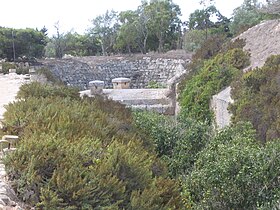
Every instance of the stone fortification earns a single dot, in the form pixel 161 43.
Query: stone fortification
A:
pixel 141 70
pixel 219 104
pixel 262 41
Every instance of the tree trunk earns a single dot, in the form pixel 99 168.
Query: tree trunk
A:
pixel 161 42
pixel 128 49
pixel 145 44
pixel 103 49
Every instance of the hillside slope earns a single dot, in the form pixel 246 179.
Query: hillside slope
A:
pixel 262 41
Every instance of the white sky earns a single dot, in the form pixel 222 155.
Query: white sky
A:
pixel 76 15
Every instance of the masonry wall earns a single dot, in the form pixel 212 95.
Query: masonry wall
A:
pixel 78 72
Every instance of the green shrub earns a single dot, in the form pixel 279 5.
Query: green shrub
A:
pixel 235 172
pixel 82 154
pixel 49 75
pixel 37 90
pixel 6 66
pixel 193 40
pixel 153 84
pixel 177 143
pixel 215 74
pixel 256 99
pixel 210 47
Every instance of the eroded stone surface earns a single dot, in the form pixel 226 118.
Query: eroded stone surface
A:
pixel 219 105
pixel 262 41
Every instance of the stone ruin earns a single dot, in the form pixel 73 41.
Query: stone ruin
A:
pixel 124 79
pixel 78 72
pixel 158 100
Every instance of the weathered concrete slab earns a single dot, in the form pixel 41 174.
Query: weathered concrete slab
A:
pixel 219 105
pixel 146 99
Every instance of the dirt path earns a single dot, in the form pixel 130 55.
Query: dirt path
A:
pixel 9 86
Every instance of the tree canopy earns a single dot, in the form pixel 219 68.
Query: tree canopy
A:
pixel 17 43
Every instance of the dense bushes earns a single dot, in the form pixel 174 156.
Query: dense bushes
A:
pixel 215 74
pixel 235 172
pixel 19 70
pixel 28 43
pixel 6 66
pixel 177 143
pixel 83 154
pixel 37 90
pixel 257 99
pixel 227 170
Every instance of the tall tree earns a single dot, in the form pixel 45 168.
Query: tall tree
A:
pixel 163 18
pixel 202 19
pixel 58 41
pixel 127 33
pixel 246 16
pixel 16 43
pixel 104 28
pixel 142 27
pixel 272 7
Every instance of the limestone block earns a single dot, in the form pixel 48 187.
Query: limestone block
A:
pixel 96 87
pixel 121 83
pixel 10 138
pixel 12 70
pixel 26 77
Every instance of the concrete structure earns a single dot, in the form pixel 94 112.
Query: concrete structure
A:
pixel 121 83
pixel 219 104
pixel 12 70
pixel 32 71
pixel 96 87
pixel 145 99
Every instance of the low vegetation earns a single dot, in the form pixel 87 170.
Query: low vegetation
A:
pixel 93 153
pixel 235 172
pixel 176 142
pixel 214 75
pixel 82 154
pixel 257 99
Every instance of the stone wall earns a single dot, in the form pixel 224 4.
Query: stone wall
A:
pixel 79 71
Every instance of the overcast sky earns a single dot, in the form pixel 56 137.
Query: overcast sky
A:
pixel 76 15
